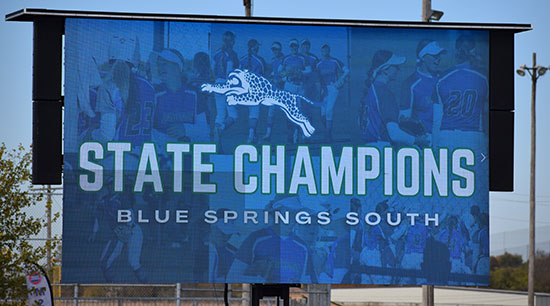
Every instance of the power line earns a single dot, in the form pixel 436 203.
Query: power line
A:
pixel 542 203
pixel 518 220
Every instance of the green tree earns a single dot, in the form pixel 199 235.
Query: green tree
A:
pixel 509 272
pixel 542 271
pixel 17 255
pixel 506 260
pixel 509 278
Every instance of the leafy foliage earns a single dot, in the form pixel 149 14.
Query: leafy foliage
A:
pixel 542 271
pixel 17 255
pixel 509 272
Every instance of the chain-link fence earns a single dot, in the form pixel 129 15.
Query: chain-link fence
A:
pixel 177 294
pixel 514 242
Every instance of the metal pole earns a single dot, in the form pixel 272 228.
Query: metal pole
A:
pixel 426 10
pixel 247 8
pixel 75 295
pixel 178 294
pixel 49 227
pixel 531 275
pixel 246 295
pixel 427 295
pixel 226 294
pixel 246 287
pixel 427 290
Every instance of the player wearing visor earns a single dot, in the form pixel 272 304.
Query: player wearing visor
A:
pixel 379 109
pixel 417 107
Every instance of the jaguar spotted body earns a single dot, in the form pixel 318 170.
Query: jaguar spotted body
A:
pixel 247 88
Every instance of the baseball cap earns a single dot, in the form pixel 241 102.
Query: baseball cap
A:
pixel 306 41
pixel 276 45
pixel 429 47
pixel 293 41
pixel 172 56
pixel 383 59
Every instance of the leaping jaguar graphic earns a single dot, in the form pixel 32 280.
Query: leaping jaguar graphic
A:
pixel 247 88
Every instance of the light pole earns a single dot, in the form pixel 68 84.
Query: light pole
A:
pixel 247 8
pixel 246 287
pixel 429 15
pixel 535 72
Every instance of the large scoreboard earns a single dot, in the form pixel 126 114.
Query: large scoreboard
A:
pixel 230 150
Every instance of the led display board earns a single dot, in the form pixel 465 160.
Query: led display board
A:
pixel 261 153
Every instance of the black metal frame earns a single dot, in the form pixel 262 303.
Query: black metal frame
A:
pixel 47 99
pixel 281 291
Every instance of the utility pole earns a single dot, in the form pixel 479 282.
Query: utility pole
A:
pixel 427 290
pixel 427 15
pixel 535 72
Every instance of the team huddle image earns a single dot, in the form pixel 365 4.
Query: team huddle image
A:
pixel 254 153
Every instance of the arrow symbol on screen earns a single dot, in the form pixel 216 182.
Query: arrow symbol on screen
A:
pixel 483 157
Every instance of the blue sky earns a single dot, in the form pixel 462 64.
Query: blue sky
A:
pixel 508 211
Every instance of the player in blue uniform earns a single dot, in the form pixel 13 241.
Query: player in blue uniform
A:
pixel 480 241
pixel 293 68
pixel 463 93
pixel 276 61
pixel 138 114
pixel 258 257
pixel 277 80
pixel 343 262
pixel 225 60
pixel 413 249
pixel 378 248
pixel 332 73
pixel 203 74
pixel 221 252
pixel 177 117
pixel 125 105
pixel 417 94
pixel 379 108
pixel 120 235
pixel 88 82
pixel 311 58
pixel 311 79
pixel 455 235
pixel 254 63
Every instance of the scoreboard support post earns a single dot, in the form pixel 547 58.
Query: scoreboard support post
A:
pixel 259 291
